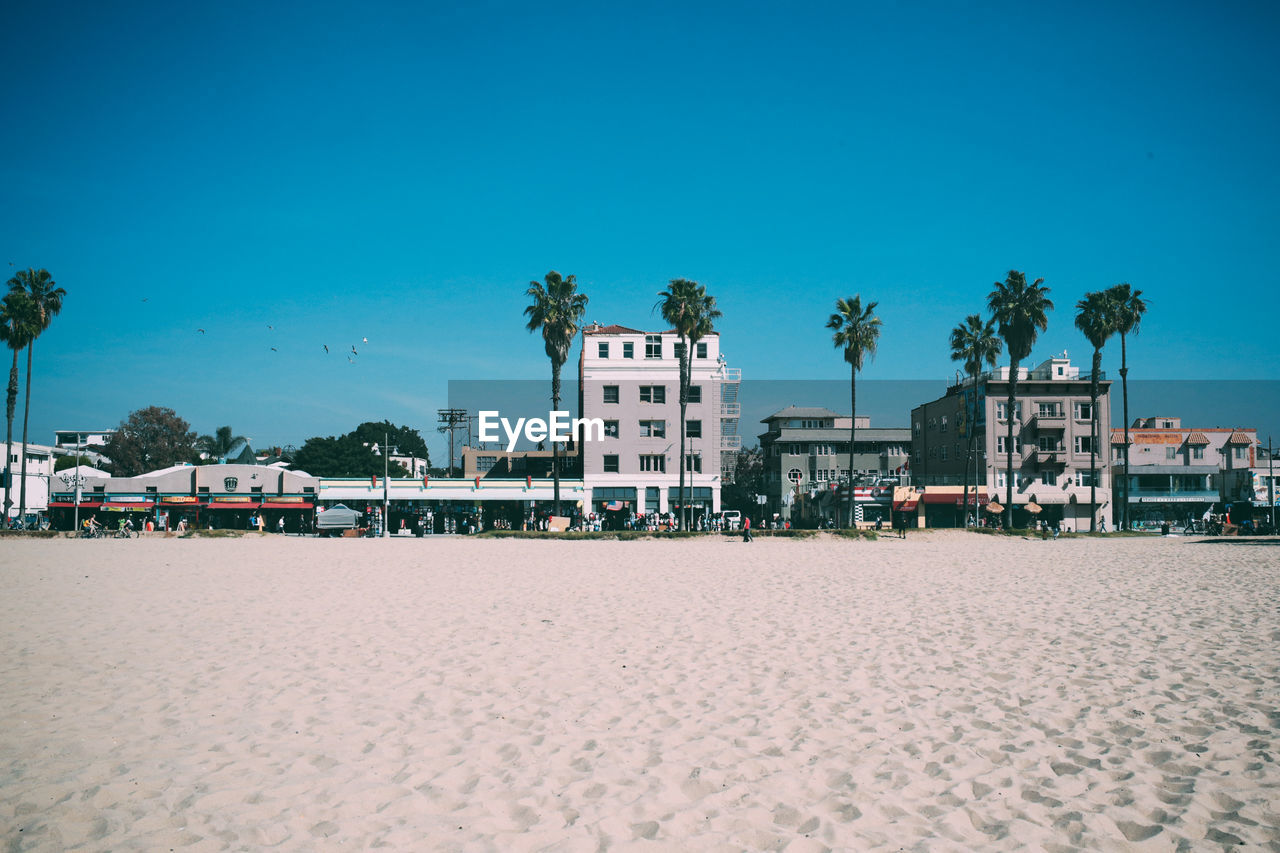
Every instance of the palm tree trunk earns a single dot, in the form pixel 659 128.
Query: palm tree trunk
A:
pixel 968 460
pixel 1093 440
pixel 26 415
pixel 1008 450
pixel 11 404
pixel 853 430
pixel 555 447
pixel 684 396
pixel 1124 382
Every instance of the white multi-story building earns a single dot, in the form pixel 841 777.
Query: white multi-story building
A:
pixel 39 470
pixel 630 379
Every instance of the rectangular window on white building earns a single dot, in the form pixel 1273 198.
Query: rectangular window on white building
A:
pixel 1084 444
pixel 1084 411
pixel 653 393
pixel 653 462
pixel 1197 452
pixel 611 393
pixel 610 429
pixel 1084 478
pixel 610 463
pixel 701 351
pixel 486 463
pixel 1002 411
pixel 653 429
pixel 1048 478
pixel 693 429
pixel 628 349
pixel 695 393
pixel 693 463
pixel 653 346
pixel 602 349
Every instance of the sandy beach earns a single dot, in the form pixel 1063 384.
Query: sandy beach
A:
pixel 950 692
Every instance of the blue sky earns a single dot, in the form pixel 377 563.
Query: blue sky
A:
pixel 400 172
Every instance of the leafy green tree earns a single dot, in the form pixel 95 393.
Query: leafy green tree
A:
pixel 973 343
pixel 65 462
pixel 1096 319
pixel 1129 308
pixel 1019 310
pixel 404 440
pixel 219 444
pixel 857 333
pixel 692 313
pixel 148 440
pixel 748 481
pixel 557 310
pixel 16 332
pixel 42 302
pixel 343 456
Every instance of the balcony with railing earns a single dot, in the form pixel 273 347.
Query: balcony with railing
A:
pixel 1050 420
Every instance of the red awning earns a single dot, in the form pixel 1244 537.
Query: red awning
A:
pixel 906 506
pixel 231 505
pixel 286 505
pixel 126 505
pixel 73 503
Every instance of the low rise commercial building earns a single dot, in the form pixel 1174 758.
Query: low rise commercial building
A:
pixel 1177 473
pixel 217 496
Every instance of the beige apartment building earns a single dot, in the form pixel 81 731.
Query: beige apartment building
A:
pixel 1052 440
pixel 630 379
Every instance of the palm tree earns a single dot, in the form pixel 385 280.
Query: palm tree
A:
pixel 218 444
pixel 16 334
pixel 692 313
pixel 974 342
pixel 857 332
pixel 1019 310
pixel 556 309
pixel 1129 307
pixel 1095 317
pixel 43 302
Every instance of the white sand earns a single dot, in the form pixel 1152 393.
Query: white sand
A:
pixel 951 692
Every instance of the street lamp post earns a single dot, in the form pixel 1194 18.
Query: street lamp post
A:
pixel 386 502
pixel 1271 484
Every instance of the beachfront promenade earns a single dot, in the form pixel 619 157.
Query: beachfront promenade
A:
pixel 950 691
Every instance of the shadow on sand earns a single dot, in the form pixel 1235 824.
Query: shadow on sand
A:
pixel 1244 540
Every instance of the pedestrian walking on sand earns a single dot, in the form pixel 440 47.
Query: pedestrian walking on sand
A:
pixel 746 528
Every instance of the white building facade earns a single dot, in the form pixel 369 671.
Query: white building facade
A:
pixel 630 379
pixel 39 470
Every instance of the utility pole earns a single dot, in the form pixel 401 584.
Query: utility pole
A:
pixel 450 421
pixel 386 503
pixel 76 528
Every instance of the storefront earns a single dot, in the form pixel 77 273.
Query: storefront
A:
pixel 699 499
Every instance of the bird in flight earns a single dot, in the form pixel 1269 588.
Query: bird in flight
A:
pixel 273 349
pixel 201 331
pixel 326 347
pixel 272 328
pixel 364 340
pixel 353 349
pixel 351 360
pixel 144 299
